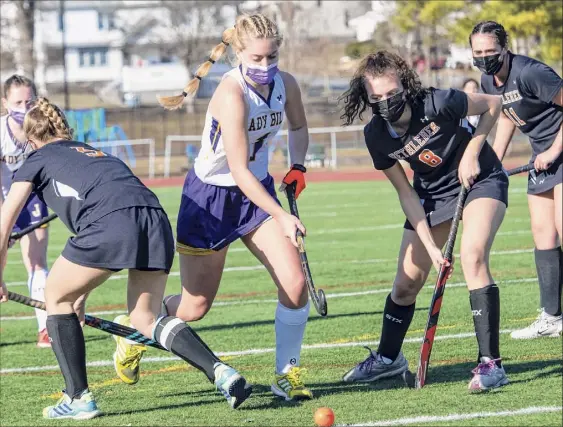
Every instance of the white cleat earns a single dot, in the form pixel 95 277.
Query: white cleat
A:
pixel 545 325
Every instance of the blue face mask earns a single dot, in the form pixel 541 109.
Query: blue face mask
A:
pixel 18 114
pixel 262 75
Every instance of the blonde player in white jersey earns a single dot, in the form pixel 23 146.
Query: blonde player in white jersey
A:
pixel 230 195
pixel 18 90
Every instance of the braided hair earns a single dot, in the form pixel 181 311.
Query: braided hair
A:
pixel 493 28
pixel 247 26
pixel 45 122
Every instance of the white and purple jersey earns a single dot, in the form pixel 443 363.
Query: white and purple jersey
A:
pixel 265 117
pixel 12 154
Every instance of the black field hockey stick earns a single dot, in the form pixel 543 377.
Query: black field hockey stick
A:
pixel 18 235
pixel 94 322
pixel 520 169
pixel 318 297
pixel 434 312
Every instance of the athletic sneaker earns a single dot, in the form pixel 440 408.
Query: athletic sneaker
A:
pixel 127 356
pixel 374 368
pixel 232 384
pixel 43 339
pixel 290 385
pixel 545 325
pixel 487 376
pixel 82 408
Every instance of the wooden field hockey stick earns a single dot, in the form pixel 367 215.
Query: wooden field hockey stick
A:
pixel 32 227
pixel 94 322
pixel 318 297
pixel 434 312
pixel 520 169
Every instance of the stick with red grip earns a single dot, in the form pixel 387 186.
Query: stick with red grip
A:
pixel 437 296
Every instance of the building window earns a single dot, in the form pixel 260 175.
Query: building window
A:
pixel 106 21
pixel 93 57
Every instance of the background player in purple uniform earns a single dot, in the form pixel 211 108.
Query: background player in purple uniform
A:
pixel 117 223
pixel 426 127
pixel 532 96
pixel 18 90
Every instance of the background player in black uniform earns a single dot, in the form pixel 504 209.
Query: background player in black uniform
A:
pixel 118 224
pixel 426 127
pixel 532 96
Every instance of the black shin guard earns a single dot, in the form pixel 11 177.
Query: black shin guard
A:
pixel 67 340
pixel 548 266
pixel 485 307
pixel 396 322
pixel 175 335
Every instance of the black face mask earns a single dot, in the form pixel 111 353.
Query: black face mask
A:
pixel 488 64
pixel 390 109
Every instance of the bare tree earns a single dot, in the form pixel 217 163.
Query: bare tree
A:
pixel 24 20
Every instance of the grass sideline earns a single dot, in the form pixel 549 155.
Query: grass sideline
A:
pixel 354 234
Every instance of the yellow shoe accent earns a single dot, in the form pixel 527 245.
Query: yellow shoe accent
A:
pixel 127 356
pixel 290 385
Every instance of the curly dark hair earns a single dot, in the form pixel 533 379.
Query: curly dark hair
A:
pixel 377 64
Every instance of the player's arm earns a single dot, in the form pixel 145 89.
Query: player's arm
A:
pixel 504 134
pixel 488 108
pixel 12 206
pixel 410 203
pixel 232 115
pixel 544 160
pixel 298 134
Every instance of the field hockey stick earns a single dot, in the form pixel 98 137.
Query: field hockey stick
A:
pixel 520 169
pixel 94 322
pixel 318 297
pixel 19 234
pixel 434 312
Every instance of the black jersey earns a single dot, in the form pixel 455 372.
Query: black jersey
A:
pixel 81 184
pixel 433 145
pixel 527 96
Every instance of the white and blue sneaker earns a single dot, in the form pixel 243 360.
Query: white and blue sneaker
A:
pixel 82 408
pixel 487 376
pixel 232 384
pixel 375 368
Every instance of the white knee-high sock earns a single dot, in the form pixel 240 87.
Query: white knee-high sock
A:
pixel 290 328
pixel 36 284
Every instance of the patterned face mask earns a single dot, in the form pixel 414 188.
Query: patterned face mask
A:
pixel 390 109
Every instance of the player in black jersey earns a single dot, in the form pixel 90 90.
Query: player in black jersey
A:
pixel 118 224
pixel 426 127
pixel 532 96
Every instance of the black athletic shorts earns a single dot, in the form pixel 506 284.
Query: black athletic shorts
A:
pixel 136 237
pixel 542 181
pixel 494 186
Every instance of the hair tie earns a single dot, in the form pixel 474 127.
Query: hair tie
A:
pixel 224 42
pixel 211 60
pixel 198 77
pixel 184 94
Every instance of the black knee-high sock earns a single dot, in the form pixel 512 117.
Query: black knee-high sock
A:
pixel 396 322
pixel 485 307
pixel 175 335
pixel 67 340
pixel 548 266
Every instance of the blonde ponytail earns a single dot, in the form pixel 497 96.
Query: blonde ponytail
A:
pixel 174 102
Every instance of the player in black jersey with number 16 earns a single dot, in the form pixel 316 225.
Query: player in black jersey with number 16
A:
pixel 532 96
pixel 118 224
pixel 427 128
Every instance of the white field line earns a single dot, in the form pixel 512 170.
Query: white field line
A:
pixel 248 352
pixel 334 230
pixel 260 301
pixel 459 417
pixel 261 267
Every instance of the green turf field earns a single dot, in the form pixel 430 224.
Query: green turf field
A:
pixel 354 230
